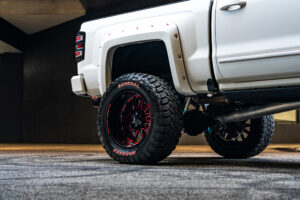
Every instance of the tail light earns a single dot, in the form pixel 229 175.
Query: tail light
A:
pixel 79 46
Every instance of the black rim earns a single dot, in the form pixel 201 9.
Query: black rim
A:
pixel 128 119
pixel 233 134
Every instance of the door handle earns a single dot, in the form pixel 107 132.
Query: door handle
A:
pixel 234 5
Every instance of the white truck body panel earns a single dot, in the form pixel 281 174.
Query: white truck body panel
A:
pixel 78 86
pixel 257 46
pixel 189 18
pixel 143 33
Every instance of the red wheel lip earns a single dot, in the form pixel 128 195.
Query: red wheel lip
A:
pixel 107 113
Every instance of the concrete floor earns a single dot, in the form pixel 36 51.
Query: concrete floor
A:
pixel 192 172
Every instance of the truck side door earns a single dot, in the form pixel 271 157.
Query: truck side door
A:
pixel 256 41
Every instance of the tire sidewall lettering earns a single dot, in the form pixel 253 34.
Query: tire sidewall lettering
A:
pixel 129 83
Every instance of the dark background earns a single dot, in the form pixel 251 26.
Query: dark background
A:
pixel 11 101
pixel 52 113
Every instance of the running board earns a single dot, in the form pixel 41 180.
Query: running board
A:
pixel 257 111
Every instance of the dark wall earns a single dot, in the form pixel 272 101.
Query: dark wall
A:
pixel 11 100
pixel 287 133
pixel 52 113
pixel 12 35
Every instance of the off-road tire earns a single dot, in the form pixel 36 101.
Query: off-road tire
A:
pixel 260 136
pixel 166 119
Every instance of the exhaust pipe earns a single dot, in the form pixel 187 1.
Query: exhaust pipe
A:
pixel 257 111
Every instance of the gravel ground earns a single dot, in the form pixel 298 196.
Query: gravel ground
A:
pixel 93 175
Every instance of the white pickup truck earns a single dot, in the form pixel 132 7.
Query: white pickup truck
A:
pixel 221 67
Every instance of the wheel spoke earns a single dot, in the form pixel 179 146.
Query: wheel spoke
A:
pixel 137 102
pixel 247 131
pixel 226 135
pixel 242 136
pixel 141 105
pixel 247 125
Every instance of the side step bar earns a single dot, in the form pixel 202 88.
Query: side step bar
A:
pixel 257 111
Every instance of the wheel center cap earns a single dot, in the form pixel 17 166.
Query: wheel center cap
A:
pixel 135 120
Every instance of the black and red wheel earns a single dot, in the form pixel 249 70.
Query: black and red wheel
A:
pixel 241 139
pixel 139 119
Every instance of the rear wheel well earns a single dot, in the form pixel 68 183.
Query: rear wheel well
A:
pixel 149 58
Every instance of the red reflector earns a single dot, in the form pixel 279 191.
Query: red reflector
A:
pixel 79 38
pixel 78 53
pixel 79 46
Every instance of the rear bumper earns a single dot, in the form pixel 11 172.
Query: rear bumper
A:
pixel 78 85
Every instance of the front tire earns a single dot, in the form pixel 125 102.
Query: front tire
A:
pixel 242 139
pixel 139 120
